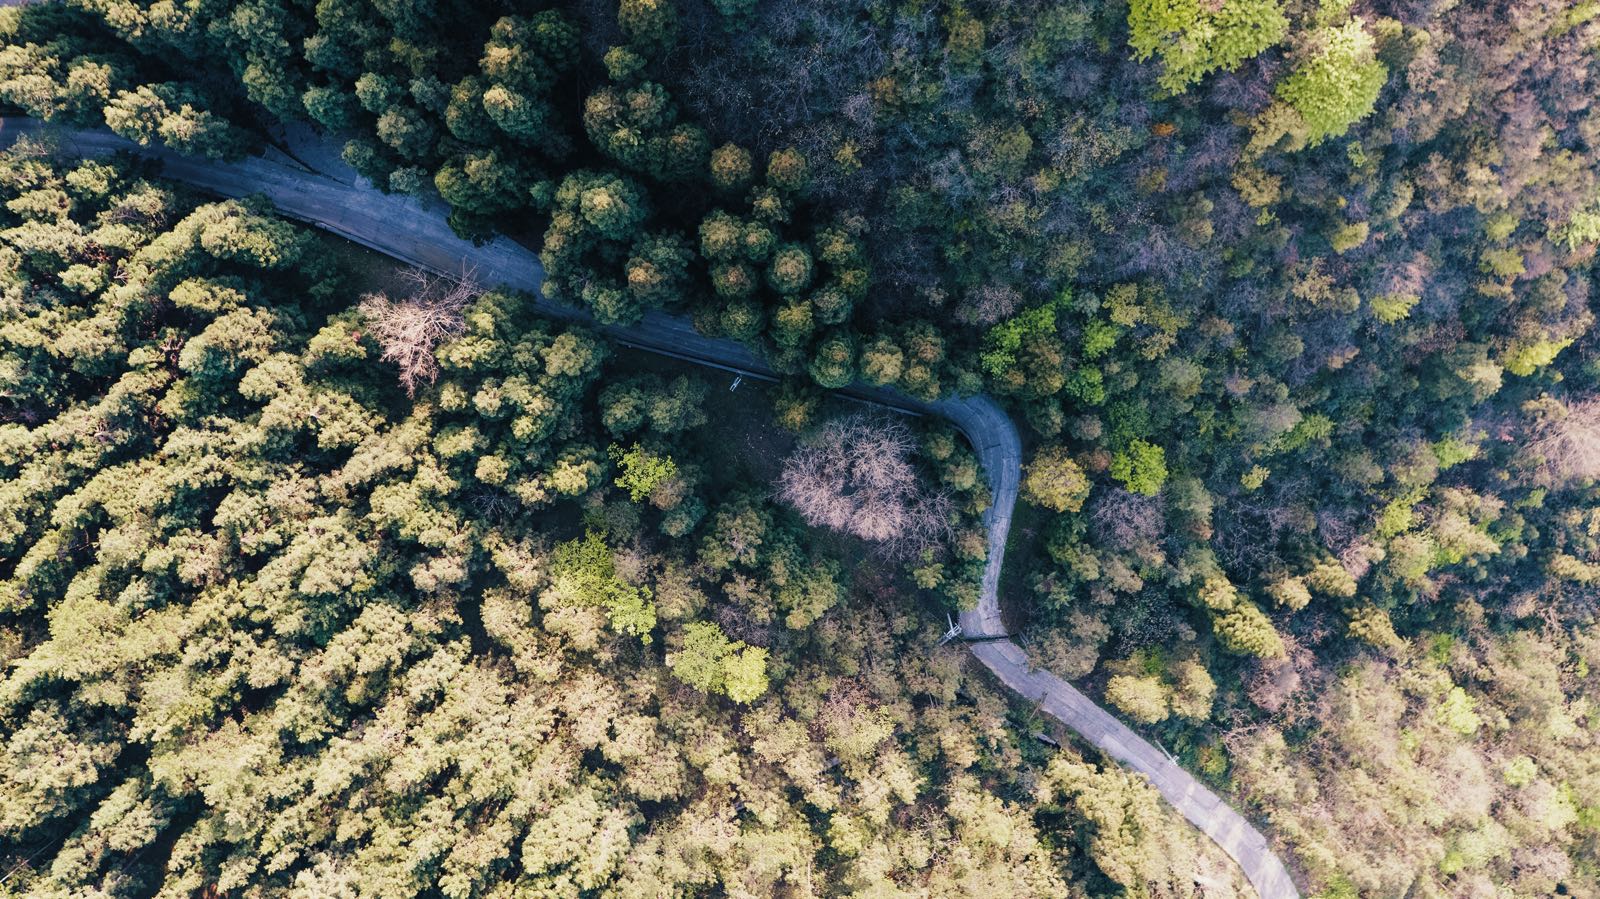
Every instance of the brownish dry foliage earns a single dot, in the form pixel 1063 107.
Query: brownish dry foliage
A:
pixel 856 477
pixel 410 329
pixel 1569 443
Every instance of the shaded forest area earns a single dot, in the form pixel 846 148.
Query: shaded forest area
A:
pixel 1293 299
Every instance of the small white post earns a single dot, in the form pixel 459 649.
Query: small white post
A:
pixel 952 633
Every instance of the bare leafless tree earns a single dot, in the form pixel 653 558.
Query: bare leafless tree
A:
pixel 856 476
pixel 1568 440
pixel 989 304
pixel 1130 522
pixel 410 329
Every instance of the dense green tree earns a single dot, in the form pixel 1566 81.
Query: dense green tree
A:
pixel 833 363
pixel 584 573
pixel 1336 82
pixel 1144 699
pixel 642 472
pixel 638 127
pixel 1194 39
pixel 730 167
pixel 177 115
pixel 522 63
pixel 708 661
pixel 593 218
pixel 647 402
pixel 1053 480
pixel 651 25
pixel 1141 467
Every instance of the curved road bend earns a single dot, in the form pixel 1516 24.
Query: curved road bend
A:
pixel 414 231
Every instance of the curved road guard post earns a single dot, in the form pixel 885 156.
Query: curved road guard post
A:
pixel 414 230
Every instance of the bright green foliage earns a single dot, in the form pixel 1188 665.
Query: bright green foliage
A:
pixel 1141 467
pixel 1525 357
pixel 708 661
pixel 1520 771
pixel 1025 355
pixel 698 661
pixel 584 572
pixel 1582 228
pixel 1003 341
pixel 1098 338
pixel 1144 699
pixel 1337 82
pixel 1246 631
pixel 642 471
pixel 1056 482
pixel 1391 308
pixel 1456 712
pixel 745 674
pixel 1193 38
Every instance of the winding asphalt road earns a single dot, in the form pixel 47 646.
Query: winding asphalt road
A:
pixel 313 186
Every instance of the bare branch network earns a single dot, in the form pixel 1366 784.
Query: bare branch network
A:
pixel 1570 443
pixel 856 477
pixel 410 329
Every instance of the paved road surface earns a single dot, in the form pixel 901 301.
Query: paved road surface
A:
pixel 414 231
pixel 1202 807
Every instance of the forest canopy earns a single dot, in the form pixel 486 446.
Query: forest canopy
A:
pixel 311 585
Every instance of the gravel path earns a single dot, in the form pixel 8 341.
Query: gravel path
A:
pixel 414 231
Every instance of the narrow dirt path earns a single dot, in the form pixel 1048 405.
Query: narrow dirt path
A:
pixel 414 231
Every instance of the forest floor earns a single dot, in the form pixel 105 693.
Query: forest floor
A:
pixel 740 441
pixel 368 270
pixel 1025 553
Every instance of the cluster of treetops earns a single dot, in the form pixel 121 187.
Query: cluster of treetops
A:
pixel 641 210
pixel 1293 298
pixel 272 626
